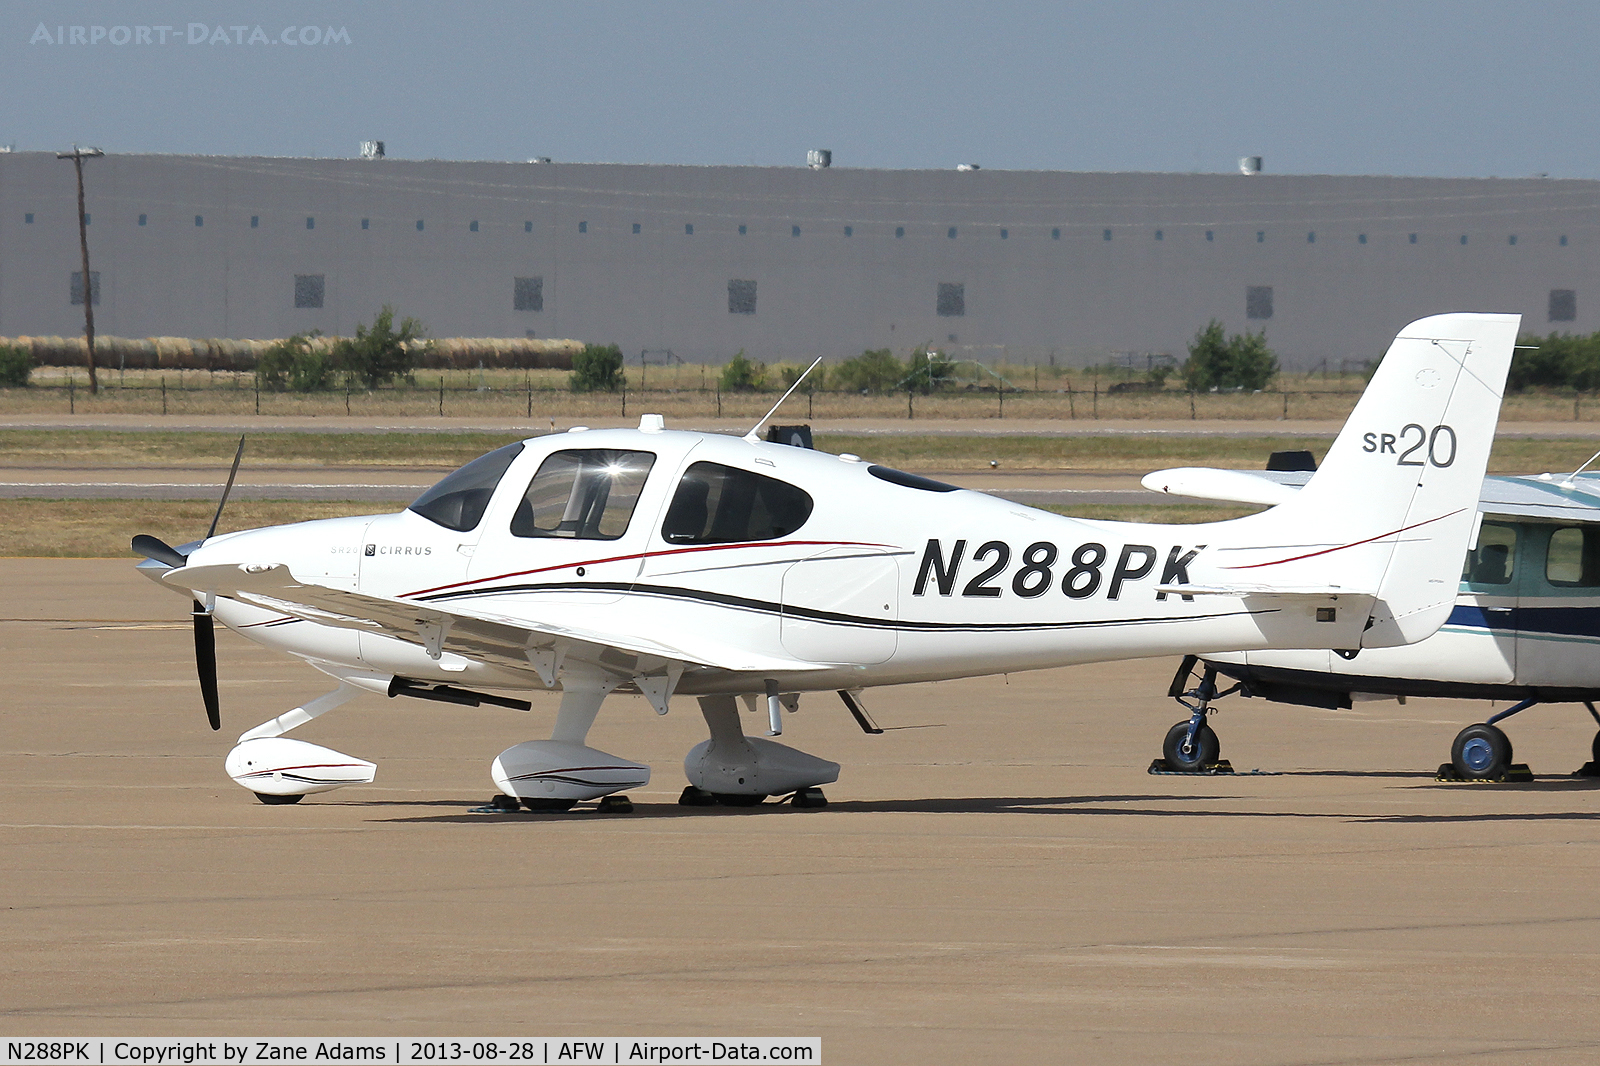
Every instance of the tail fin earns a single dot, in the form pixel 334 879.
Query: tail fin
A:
pixel 1394 504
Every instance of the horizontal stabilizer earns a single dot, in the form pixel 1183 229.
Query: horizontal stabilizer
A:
pixel 1229 486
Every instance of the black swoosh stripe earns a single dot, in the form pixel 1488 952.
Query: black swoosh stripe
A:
pixel 811 614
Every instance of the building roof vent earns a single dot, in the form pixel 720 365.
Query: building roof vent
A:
pixel 968 166
pixel 819 158
pixel 371 149
pixel 540 159
pixel 1249 164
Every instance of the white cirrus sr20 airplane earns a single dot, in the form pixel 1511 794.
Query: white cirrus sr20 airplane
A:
pixel 664 563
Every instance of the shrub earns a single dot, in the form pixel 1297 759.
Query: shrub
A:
pixel 928 371
pixel 874 370
pixel 598 368
pixel 743 374
pixel 16 364
pixel 379 353
pixel 294 364
pixel 788 374
pixel 1559 361
pixel 1242 361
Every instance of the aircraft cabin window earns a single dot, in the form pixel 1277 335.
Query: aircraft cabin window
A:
pixel 1492 561
pixel 585 495
pixel 1573 560
pixel 718 504
pixel 459 500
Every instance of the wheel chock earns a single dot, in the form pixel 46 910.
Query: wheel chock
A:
pixel 615 805
pixel 693 796
pixel 811 798
pixel 1210 769
pixel 1588 769
pixel 1517 772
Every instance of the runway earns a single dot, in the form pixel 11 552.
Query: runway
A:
pixel 997 878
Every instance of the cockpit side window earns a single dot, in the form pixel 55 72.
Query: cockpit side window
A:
pixel 718 504
pixel 458 502
pixel 584 495
pixel 1573 558
pixel 1494 560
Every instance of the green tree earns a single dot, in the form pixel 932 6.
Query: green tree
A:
pixel 380 353
pixel 16 364
pixel 598 368
pixel 295 364
pixel 788 374
pixel 743 374
pixel 1216 361
pixel 874 370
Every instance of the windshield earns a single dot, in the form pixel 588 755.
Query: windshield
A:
pixel 459 500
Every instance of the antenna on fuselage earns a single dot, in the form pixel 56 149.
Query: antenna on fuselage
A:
pixel 755 431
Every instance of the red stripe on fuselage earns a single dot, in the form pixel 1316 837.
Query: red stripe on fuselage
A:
pixel 1342 547
pixel 655 555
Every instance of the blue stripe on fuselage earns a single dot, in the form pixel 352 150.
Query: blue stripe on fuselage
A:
pixel 1561 621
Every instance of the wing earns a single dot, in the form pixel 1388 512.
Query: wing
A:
pixel 500 640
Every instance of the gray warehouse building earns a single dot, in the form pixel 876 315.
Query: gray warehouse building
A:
pixel 787 263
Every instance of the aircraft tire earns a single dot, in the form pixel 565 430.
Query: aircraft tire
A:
pixel 740 799
pixel 1481 753
pixel 1207 748
pixel 1594 748
pixel 542 804
pixel 275 800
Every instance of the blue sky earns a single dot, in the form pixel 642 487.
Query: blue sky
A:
pixel 1466 89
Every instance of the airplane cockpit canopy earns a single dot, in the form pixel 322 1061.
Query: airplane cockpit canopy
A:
pixel 458 501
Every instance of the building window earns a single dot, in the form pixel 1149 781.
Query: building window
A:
pixel 87 219
pixel 1005 234
pixel 527 227
pixel 1563 305
pixel 143 219
pixel 364 223
pixel 952 299
pixel 1512 239
pixel 1563 237
pixel 199 220
pixel 1258 301
pixel 1261 236
pixel 1055 234
pixel 1463 238
pixel 1311 238
pixel 1413 238
pixel 583 227
pixel 473 226
pixel 794 231
pixel 311 223
pixel 28 218
pixel 76 287
pixel 419 225
pixel 636 227
pixel 255 222
pixel 900 231
pixel 741 296
pixel 308 290
pixel 527 294
pixel 951 233
pixel 688 229
pixel 1210 235
pixel 741 229
pixel 1361 238
pixel 1105 235
pixel 849 231
pixel 1160 236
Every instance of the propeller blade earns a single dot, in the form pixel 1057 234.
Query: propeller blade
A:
pixel 205 661
pixel 159 550
pixel 226 489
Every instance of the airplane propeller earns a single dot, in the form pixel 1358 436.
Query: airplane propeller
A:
pixel 205 637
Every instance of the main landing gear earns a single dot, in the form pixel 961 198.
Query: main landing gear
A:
pixel 1192 747
pixel 1483 752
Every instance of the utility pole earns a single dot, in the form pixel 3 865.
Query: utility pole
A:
pixel 78 155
